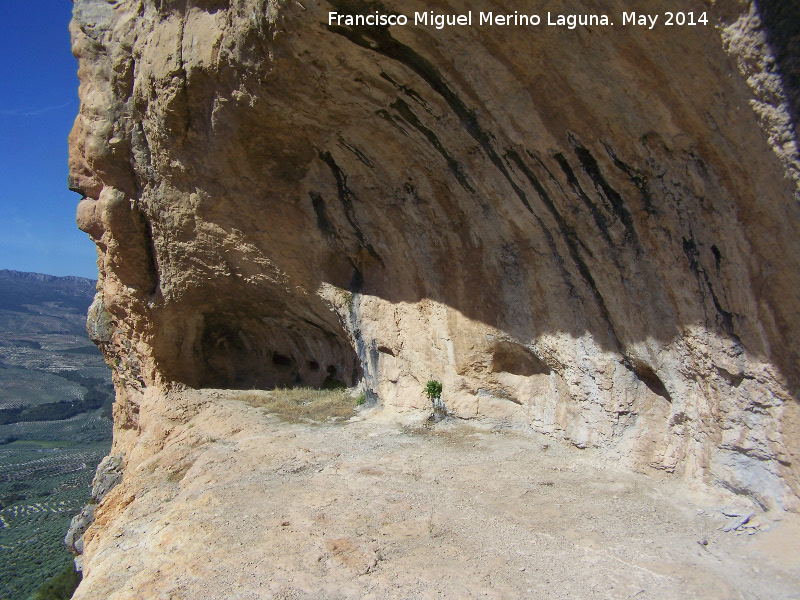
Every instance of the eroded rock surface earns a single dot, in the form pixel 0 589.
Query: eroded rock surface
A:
pixel 240 505
pixel 592 233
pixel 108 475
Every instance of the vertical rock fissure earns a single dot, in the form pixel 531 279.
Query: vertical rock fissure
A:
pixel 151 256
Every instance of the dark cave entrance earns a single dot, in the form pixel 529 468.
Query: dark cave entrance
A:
pixel 242 350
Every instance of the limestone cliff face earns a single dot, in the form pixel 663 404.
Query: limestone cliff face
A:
pixel 594 233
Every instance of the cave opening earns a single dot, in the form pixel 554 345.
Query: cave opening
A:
pixel 509 357
pixel 244 350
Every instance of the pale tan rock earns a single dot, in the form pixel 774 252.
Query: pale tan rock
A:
pixel 236 504
pixel 593 234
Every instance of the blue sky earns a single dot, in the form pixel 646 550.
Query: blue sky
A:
pixel 38 104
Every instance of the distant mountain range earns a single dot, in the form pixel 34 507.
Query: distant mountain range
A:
pixel 49 370
pixel 22 291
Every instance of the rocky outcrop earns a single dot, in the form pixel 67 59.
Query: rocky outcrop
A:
pixel 590 232
pixel 238 504
pixel 108 475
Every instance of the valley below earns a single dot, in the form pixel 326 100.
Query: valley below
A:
pixel 55 423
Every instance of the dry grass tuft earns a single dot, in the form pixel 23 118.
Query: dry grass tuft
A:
pixel 304 404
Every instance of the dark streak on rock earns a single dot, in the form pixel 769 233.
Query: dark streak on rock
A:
pixel 717 258
pixel 693 256
pixel 604 189
pixel 571 239
pixel 409 117
pixel 637 178
pixel 323 222
pixel 378 39
pixel 346 197
pixel 327 333
pixel 384 114
pixel 597 215
pixel 414 95
pixel 358 154
pixel 612 197
pixel 566 231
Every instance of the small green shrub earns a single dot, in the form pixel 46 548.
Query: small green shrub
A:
pixel 433 390
pixel 362 398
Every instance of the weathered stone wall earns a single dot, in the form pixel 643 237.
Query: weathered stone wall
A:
pixel 592 232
